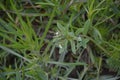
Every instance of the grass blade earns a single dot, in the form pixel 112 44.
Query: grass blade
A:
pixel 14 53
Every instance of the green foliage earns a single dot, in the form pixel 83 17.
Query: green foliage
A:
pixel 113 60
pixel 85 39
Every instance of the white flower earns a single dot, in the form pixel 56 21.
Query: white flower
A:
pixel 79 38
pixel 57 33
pixel 60 46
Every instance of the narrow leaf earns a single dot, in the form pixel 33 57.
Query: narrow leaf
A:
pixel 14 53
pixel 86 27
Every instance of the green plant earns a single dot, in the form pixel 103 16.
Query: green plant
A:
pixel 84 39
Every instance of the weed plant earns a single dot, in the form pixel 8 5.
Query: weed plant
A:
pixel 59 39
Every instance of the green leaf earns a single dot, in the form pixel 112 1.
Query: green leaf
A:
pixel 86 27
pixel 63 46
pixel 73 46
pixel 7 26
pixel 42 75
pixel 84 43
pixel 97 35
pixel 46 4
pixel 79 30
pixel 67 64
pixel 61 28
pixel 14 53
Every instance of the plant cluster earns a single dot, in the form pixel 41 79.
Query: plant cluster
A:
pixel 59 39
